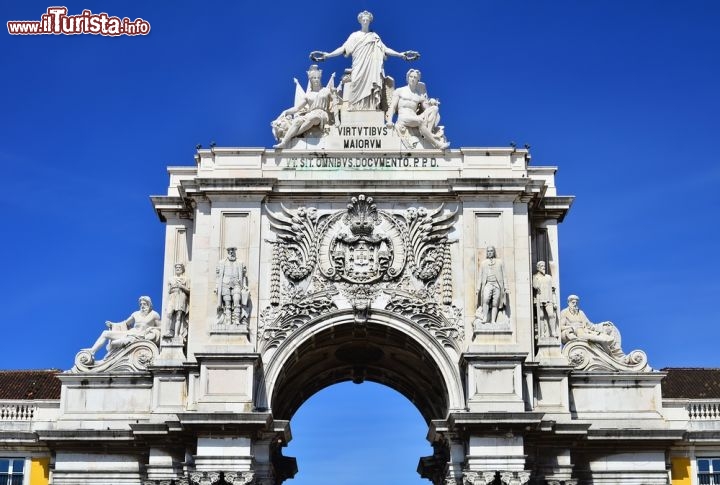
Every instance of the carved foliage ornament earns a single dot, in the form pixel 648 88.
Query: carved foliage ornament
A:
pixel 486 478
pixel 368 257
pixel 211 478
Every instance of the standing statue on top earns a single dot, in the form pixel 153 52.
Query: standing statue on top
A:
pixel 363 91
pixel 312 107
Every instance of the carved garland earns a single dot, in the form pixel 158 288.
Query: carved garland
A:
pixel 275 276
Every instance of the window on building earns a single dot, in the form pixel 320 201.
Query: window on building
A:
pixel 708 471
pixel 11 471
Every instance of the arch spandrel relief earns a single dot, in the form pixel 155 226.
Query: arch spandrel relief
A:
pixel 364 258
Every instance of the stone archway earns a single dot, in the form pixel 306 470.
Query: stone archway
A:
pixel 386 349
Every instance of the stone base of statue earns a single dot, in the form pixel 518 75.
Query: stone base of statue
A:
pixel 362 118
pixel 172 351
pixel 548 351
pixel 233 328
pixel 363 130
pixel 500 325
pixel 482 327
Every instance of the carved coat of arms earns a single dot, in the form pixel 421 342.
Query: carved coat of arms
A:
pixel 362 245
pixel 362 253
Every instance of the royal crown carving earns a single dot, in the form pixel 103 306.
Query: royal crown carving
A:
pixel 362 245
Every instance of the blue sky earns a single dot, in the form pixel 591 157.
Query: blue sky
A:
pixel 621 96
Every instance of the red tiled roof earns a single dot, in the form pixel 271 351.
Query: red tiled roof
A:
pixel 691 383
pixel 29 384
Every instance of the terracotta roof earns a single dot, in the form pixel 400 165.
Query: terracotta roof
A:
pixel 29 384
pixel 691 383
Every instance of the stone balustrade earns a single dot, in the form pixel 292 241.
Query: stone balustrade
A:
pixel 704 410
pixel 12 411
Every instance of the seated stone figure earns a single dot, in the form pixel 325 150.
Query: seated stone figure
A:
pixel 595 346
pixel 416 110
pixel 312 108
pixel 143 324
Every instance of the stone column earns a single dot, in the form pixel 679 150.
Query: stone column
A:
pixel 269 464
pixel 163 466
pixel 555 466
pixel 489 456
pixel 223 453
pixel 496 453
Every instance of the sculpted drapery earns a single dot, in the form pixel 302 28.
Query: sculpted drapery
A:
pixel 368 54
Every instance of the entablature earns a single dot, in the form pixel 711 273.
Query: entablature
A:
pixel 218 423
pixel 499 422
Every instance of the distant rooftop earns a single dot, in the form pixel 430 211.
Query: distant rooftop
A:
pixel 29 384
pixel 691 383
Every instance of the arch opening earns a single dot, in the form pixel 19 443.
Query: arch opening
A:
pixel 371 352
pixel 348 433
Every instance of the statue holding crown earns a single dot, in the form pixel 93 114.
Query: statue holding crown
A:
pixel 364 89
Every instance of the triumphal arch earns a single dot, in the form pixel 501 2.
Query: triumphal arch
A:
pixel 362 247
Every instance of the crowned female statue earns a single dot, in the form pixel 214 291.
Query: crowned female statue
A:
pixel 368 52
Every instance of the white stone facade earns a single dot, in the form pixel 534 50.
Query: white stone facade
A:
pixel 384 258
pixel 354 239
